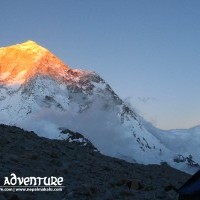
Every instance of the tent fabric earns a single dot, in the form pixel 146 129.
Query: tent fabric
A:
pixel 191 187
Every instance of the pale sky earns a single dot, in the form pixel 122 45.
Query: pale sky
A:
pixel 147 50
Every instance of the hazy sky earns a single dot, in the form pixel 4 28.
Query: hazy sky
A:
pixel 147 50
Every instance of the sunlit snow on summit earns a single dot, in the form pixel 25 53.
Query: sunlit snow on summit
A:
pixel 39 92
pixel 20 62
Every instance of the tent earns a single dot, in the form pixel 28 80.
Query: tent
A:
pixel 191 189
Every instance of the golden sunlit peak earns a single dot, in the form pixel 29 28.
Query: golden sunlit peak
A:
pixel 22 61
pixel 30 42
pixel 27 43
pixel 28 46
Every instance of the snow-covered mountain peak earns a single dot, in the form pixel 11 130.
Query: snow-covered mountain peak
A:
pixel 39 92
pixel 20 62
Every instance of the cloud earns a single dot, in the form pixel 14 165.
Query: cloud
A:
pixel 146 99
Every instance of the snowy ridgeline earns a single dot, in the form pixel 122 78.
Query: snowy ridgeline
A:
pixel 39 92
pixel 47 106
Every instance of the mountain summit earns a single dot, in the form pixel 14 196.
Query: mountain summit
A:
pixel 38 92
pixel 20 62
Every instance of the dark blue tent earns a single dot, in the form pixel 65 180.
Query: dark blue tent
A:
pixel 191 189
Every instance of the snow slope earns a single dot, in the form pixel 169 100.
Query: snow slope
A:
pixel 40 93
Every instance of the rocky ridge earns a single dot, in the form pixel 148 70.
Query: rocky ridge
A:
pixel 87 173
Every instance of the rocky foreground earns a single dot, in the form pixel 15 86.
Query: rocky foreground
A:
pixel 87 173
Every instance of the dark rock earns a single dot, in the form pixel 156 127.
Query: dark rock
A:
pixel 14 197
pixel 134 184
pixel 2 197
pixel 169 188
pixel 87 175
